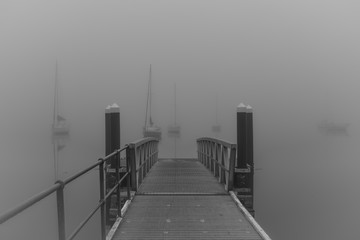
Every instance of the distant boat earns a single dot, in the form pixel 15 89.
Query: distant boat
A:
pixel 174 129
pixel 59 126
pixel 328 127
pixel 149 129
pixel 216 128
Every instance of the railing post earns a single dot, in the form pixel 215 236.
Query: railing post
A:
pixel 132 163
pixel 102 195
pixel 61 210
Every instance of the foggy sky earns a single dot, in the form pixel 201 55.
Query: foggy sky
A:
pixel 295 62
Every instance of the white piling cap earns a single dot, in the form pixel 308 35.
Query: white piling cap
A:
pixel 107 109
pixel 112 109
pixel 115 108
pixel 241 108
pixel 249 109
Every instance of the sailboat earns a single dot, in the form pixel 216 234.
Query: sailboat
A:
pixel 60 128
pixel 174 130
pixel 328 127
pixel 216 128
pixel 150 130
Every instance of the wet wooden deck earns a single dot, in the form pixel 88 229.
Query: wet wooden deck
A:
pixel 180 199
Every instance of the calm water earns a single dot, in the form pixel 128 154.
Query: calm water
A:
pixel 309 189
pixel 306 185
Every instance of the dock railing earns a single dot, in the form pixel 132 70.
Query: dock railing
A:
pixel 143 154
pixel 140 157
pixel 219 157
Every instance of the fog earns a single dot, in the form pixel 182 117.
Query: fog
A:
pixel 295 63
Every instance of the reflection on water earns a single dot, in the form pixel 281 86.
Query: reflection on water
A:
pixel 307 185
pixel 308 189
pixel 27 172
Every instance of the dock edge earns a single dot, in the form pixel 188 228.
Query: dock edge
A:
pixel 250 218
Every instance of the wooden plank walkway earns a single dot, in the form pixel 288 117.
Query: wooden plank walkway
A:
pixel 180 199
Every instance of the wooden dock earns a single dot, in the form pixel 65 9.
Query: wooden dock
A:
pixel 181 199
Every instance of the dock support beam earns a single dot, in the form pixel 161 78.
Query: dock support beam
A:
pixel 244 173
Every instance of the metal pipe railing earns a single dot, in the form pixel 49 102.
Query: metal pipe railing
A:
pixel 58 187
pixel 143 155
pixel 219 157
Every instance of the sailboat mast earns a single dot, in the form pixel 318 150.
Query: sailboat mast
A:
pixel 216 110
pixel 56 162
pixel 56 95
pixel 147 99
pixel 175 104
pixel 150 96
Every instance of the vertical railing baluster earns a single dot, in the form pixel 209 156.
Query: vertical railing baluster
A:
pixel 132 164
pixel 231 168
pixel 138 164
pixel 208 154
pixel 212 158
pixel 147 158
pixel 117 172
pixel 199 151
pixel 141 170
pixel 217 160
pixel 204 153
pixel 61 210
pixel 128 177
pixel 150 156
pixel 143 162
pixel 226 164
pixel 102 194
pixel 157 151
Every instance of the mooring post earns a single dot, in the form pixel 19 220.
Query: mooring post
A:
pixel 250 158
pixel 243 179
pixel 241 136
pixel 107 130
pixel 115 131
pixel 112 143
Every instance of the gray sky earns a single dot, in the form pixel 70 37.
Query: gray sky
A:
pixel 295 62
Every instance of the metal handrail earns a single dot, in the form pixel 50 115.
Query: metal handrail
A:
pixel 219 157
pixel 59 186
pixel 143 154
